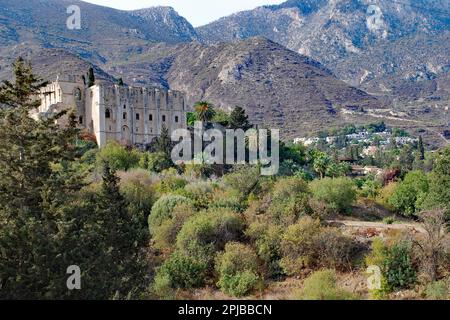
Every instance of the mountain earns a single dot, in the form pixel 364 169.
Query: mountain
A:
pixel 166 24
pixel 278 87
pixel 49 63
pixel 358 40
pixel 105 33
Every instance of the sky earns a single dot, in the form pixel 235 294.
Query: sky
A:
pixel 198 12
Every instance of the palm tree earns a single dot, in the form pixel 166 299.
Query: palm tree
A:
pixel 204 111
pixel 321 163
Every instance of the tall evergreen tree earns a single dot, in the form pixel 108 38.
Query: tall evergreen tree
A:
pixel 91 77
pixel 239 119
pixel 122 239
pixel 163 142
pixel 36 179
pixel 48 222
pixel 421 148
pixel 29 149
pixel 104 238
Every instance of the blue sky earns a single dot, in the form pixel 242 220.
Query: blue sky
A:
pixel 198 12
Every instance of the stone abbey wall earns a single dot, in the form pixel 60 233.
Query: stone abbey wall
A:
pixel 129 115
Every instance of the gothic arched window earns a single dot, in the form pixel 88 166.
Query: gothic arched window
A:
pixel 77 94
pixel 107 114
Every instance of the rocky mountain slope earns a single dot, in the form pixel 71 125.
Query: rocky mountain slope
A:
pixel 359 40
pixel 105 33
pixel 167 25
pixel 278 87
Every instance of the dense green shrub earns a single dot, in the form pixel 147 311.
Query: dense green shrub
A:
pixel 371 188
pixel 410 193
pixel 267 241
pixel 439 290
pixel 237 257
pixel 118 157
pixel 170 182
pixel 182 271
pixel 309 245
pixel 438 196
pixel 378 253
pixel 138 190
pixel 140 197
pixel 165 235
pixel 385 194
pixel 89 157
pixel 155 162
pixel 231 202
pixel 297 245
pixel 194 170
pixel 162 287
pixel 396 264
pixel 389 220
pixel 338 194
pixel 239 284
pixel 289 201
pixel 208 232
pixel 200 193
pixel 398 268
pixel 162 210
pixel 237 268
pixel 322 285
pixel 244 180
pixel 228 199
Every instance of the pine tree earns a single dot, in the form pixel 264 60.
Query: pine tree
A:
pixel 239 119
pixel 91 77
pixel 100 234
pixel 48 222
pixel 29 148
pixel 122 237
pixel 36 180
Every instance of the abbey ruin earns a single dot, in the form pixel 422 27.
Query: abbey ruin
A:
pixel 129 115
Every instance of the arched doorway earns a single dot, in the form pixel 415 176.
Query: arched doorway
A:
pixel 126 134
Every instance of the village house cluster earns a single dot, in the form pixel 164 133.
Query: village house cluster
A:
pixel 373 141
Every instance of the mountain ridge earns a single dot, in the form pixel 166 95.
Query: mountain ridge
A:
pixel 334 32
pixel 278 86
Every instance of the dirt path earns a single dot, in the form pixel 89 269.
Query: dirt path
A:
pixel 378 225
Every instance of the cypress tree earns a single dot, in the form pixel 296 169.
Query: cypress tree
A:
pixel 163 142
pixel 91 77
pixel 421 148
